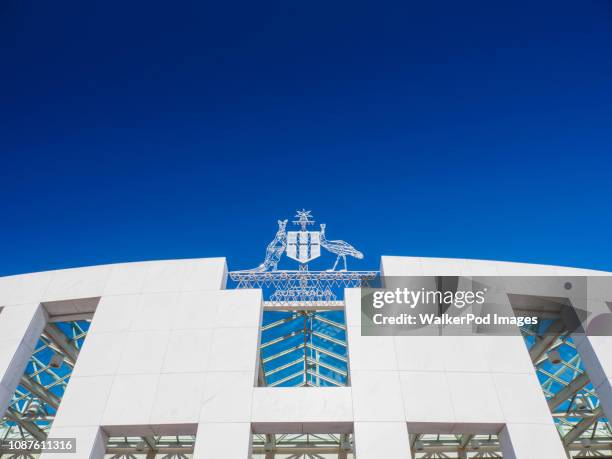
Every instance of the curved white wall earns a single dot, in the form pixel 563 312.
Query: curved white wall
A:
pixel 170 350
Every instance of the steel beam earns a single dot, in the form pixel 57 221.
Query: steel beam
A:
pixel 62 342
pixel 568 391
pixel 582 426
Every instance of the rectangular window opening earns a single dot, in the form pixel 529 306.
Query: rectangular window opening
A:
pixel 303 348
pixel 573 401
pixel 302 446
pixel 454 446
pixel 42 385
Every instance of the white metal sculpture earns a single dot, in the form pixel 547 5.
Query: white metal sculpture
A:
pixel 301 286
pixel 303 245
pixel 339 248
pixel 275 250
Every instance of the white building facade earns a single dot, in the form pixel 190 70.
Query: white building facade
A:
pixel 170 351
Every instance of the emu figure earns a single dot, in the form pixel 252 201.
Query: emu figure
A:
pixel 339 248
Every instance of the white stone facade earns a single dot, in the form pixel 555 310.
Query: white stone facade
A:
pixel 170 351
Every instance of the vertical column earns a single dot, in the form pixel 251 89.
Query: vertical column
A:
pixel 380 424
pixel 595 350
pixel 528 441
pixel 90 442
pixel 374 440
pixel 596 355
pixel 230 440
pixel 20 329
pixel 224 428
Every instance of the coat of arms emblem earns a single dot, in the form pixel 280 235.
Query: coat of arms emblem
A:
pixel 303 286
pixel 303 245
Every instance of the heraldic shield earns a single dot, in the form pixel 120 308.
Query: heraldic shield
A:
pixel 303 246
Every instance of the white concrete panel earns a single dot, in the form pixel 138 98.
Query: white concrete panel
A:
pixel 376 440
pixel 77 283
pixel 205 274
pixel 188 351
pixel 464 353
pixel 506 354
pixel 155 312
pixel 600 287
pixel 5 399
pixel 132 430
pixel 101 354
pixel 569 271
pixel 352 301
pixel 126 278
pixel 302 405
pixel 377 396
pixel 178 398
pixel 7 286
pixel 8 348
pixel 234 349
pixel 196 310
pixel 70 306
pixel 596 353
pixel 227 397
pixel 277 427
pixel 239 308
pixel 131 400
pixel 115 313
pixel 442 266
pixel 370 352
pixel 474 398
pixel 521 399
pixel 426 397
pixel 175 428
pixel 420 353
pixel 223 440
pixel 604 392
pixel 507 268
pixel 531 441
pixel 90 442
pixel 479 268
pixel 84 401
pixel 29 288
pixel 144 352
pixel 164 276
pixel 24 322
pixel 15 359
pixel 401 266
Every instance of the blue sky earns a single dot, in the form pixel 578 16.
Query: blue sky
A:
pixel 149 130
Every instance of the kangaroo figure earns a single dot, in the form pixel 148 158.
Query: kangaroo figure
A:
pixel 275 250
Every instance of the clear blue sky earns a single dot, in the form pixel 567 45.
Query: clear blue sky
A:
pixel 149 130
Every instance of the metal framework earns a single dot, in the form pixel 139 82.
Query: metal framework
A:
pixel 302 288
pixel 155 447
pixel 426 446
pixel 303 348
